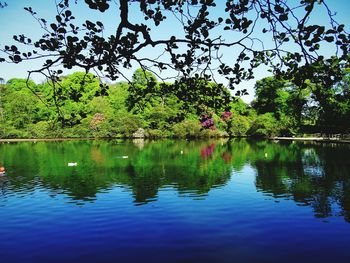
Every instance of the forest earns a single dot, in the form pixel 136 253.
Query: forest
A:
pixel 306 93
pixel 78 106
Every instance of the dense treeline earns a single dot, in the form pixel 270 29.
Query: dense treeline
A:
pixel 78 106
pixel 312 108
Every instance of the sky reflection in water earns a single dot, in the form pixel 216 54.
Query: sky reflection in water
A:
pixel 222 201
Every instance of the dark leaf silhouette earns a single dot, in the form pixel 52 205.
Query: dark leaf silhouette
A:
pixel 296 42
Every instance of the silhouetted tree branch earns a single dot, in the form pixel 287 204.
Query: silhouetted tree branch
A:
pixel 296 52
pixel 3 4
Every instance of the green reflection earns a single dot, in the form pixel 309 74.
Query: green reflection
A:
pixel 102 164
pixel 316 175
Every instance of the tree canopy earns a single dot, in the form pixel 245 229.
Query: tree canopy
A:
pixel 77 106
pixel 295 51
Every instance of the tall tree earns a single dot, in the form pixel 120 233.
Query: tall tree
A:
pixel 142 90
pixel 271 96
pixel 18 106
pixel 71 96
pixel 334 104
pixel 282 98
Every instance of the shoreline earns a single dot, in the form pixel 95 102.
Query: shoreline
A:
pixel 312 139
pixel 44 139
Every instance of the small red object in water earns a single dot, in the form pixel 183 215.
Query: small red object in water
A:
pixel 227 157
pixel 2 169
pixel 207 151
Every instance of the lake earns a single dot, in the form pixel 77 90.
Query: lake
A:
pixel 175 201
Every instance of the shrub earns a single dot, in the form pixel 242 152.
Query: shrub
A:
pixel 212 133
pixel 100 127
pixel 187 129
pixel 156 133
pixel 13 133
pixel 77 131
pixel 127 124
pixel 265 125
pixel 40 129
pixel 222 121
pixel 239 125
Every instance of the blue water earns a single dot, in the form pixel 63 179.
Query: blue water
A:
pixel 239 201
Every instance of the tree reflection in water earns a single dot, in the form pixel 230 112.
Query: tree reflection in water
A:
pixel 316 175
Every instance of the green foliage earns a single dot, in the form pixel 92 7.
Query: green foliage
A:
pixel 100 126
pixel 187 129
pixel 200 96
pixel 238 106
pixel 194 95
pixel 17 84
pixel 284 100
pixel 71 95
pixel 40 129
pixel 264 125
pixel 334 105
pixel 117 96
pixel 19 108
pixel 142 90
pixel 157 133
pixel 240 125
pixel 126 124
pixel 78 106
pixel 271 96
pixel 100 105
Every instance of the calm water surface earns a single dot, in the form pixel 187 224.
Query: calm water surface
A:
pixel 175 201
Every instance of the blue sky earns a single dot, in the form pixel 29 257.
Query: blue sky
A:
pixel 15 20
